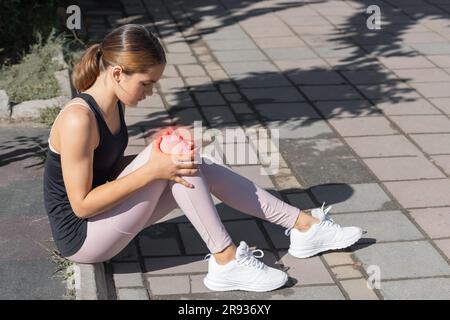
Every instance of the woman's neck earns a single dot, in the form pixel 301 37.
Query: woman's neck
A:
pixel 105 98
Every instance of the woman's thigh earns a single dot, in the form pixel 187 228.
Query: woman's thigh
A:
pixel 109 232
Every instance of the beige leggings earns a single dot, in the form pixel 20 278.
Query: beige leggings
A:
pixel 110 232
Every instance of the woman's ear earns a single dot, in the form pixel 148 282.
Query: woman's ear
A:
pixel 116 73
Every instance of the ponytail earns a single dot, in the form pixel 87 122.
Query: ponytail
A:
pixel 87 69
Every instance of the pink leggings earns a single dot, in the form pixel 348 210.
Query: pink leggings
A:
pixel 110 232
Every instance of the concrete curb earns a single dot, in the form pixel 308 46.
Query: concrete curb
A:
pixel 90 282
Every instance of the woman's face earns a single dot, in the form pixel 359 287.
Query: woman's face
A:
pixel 135 87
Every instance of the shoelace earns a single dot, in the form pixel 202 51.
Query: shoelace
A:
pixel 249 259
pixel 326 219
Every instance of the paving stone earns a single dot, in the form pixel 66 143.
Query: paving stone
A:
pixel 240 55
pixel 179 100
pixel 277 235
pixel 421 193
pixel 287 111
pixel 442 103
pixel 423 75
pixel 433 143
pixel 363 126
pixel 231 44
pixel 416 289
pixel 369 76
pixel 290 53
pixel 279 42
pixel 180 58
pixel 159 240
pixel 347 109
pixel 382 146
pixel 403 168
pixel 187 116
pixel 435 221
pixel 345 272
pixel 306 271
pixel 389 91
pixel 338 258
pixel 315 77
pixel 336 92
pixel 339 51
pixel 301 129
pixel 175 265
pixel 380 225
pixel 233 68
pixel 219 115
pixel 442 61
pixel 353 197
pixel 417 106
pixel 268 95
pixel 303 64
pixel 129 253
pixel 444 245
pixel 127 275
pixel 202 83
pixel 178 285
pixel 309 293
pixel 443 162
pixel 405 62
pixel 209 98
pixel 335 163
pixel 241 108
pixel 432 48
pixel 132 294
pixel 357 290
pixel 404 260
pixel 300 200
pixel 433 89
pixel 422 124
pixel 262 80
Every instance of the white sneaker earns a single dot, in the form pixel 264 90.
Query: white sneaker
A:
pixel 244 273
pixel 323 236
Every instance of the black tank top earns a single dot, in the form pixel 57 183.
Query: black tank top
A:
pixel 69 231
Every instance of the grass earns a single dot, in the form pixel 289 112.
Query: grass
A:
pixel 48 115
pixel 64 269
pixel 33 78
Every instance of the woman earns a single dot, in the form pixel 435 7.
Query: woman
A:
pixel 98 200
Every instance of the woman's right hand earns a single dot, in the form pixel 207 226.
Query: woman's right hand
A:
pixel 169 166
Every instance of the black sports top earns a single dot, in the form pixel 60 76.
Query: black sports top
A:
pixel 69 231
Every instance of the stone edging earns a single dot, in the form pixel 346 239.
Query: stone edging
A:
pixel 90 282
pixel 30 109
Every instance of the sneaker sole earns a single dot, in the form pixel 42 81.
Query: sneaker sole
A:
pixel 311 252
pixel 221 286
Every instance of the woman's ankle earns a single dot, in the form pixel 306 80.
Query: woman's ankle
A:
pixel 226 255
pixel 305 221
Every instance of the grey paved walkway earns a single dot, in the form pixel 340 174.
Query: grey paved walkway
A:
pixel 26 267
pixel 364 125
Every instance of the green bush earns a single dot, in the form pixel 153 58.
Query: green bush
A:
pixel 33 78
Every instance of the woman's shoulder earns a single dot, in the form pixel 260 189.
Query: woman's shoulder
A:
pixel 76 113
pixel 78 118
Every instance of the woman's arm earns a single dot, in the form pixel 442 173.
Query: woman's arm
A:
pixel 77 153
